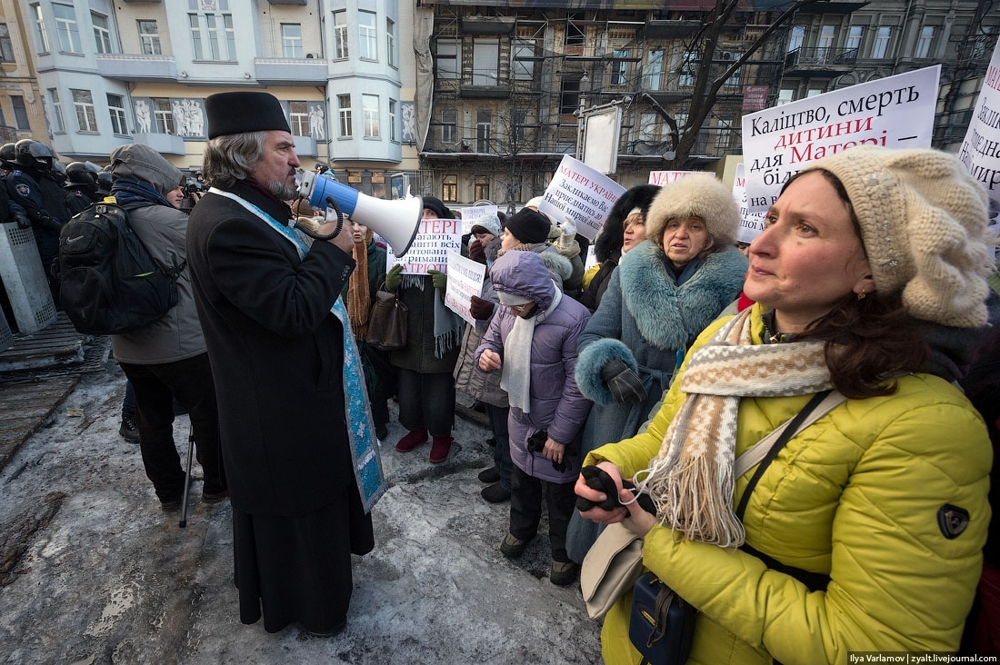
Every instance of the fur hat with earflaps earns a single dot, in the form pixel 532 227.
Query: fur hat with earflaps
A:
pixel 923 223
pixel 701 195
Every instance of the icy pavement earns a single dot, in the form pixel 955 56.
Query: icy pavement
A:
pixel 110 578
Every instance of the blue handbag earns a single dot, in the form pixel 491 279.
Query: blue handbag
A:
pixel 662 623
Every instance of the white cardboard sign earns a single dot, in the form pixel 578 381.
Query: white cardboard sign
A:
pixel 580 194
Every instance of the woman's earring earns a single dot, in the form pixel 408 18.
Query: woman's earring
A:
pixel 861 295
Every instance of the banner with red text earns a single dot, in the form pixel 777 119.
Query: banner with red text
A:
pixel 896 112
pixel 580 194
pixel 661 178
pixel 430 248
pixel 751 223
pixel 465 279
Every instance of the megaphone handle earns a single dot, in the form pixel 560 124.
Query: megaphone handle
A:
pixel 340 224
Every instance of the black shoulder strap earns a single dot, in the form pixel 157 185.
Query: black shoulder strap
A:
pixel 789 432
pixel 814 581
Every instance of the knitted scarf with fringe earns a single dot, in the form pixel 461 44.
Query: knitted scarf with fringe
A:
pixel 691 479
pixel 359 300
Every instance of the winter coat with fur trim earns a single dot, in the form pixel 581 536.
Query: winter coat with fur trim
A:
pixel 644 319
pixel 855 496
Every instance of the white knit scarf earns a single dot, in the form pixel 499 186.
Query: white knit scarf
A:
pixel 691 479
pixel 516 377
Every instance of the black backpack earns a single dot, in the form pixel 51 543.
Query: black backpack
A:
pixel 109 282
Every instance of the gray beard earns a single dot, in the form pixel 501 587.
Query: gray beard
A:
pixel 282 192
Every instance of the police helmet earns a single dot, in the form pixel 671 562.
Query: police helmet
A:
pixel 7 153
pixel 104 181
pixel 80 173
pixel 32 154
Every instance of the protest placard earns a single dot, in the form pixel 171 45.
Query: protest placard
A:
pixel 430 248
pixel 473 214
pixel 751 223
pixel 896 112
pixel 580 194
pixel 661 178
pixel 981 148
pixel 465 279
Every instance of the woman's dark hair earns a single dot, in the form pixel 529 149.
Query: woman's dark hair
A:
pixel 868 341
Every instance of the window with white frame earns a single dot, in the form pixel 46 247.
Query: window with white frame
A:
pixel 298 116
pixel 6 46
pixel 392 120
pixel 57 114
pixel 149 38
pixel 648 127
pixel 523 64
pixel 102 33
pixel 447 58
pixel 369 110
pixel 925 42
pixel 854 36
pixel 880 47
pixel 724 133
pixel 67 28
pixel 40 32
pixel 367 36
pixel 827 35
pixel 390 41
pixel 291 40
pixel 619 67
pixel 797 38
pixel 340 34
pixel 83 103
pixel 785 96
pixel 484 131
pixel 212 33
pixel 163 116
pixel 449 125
pixel 654 70
pixel 116 107
pixel 485 60
pixel 20 112
pixel 688 69
pixel 344 110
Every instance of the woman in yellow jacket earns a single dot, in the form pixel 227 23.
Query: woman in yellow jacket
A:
pixel 872 261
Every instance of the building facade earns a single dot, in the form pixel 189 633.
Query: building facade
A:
pixel 109 73
pixel 467 100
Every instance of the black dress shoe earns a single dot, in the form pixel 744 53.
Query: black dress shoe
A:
pixel 337 630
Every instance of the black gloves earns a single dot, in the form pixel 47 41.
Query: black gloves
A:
pixel 598 479
pixel 480 309
pixel 22 220
pixel 623 383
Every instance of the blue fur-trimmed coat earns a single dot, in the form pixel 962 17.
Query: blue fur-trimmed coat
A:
pixel 644 319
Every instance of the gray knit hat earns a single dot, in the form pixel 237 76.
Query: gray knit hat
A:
pixel 923 220
pixel 701 195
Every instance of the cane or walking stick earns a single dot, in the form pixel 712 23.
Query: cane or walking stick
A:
pixel 187 482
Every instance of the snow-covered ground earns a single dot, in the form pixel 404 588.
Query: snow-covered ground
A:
pixel 112 579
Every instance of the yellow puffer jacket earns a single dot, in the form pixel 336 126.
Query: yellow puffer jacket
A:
pixel 855 496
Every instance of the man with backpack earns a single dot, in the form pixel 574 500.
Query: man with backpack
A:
pixel 166 358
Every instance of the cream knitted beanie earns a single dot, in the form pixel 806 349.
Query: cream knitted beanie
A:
pixel 923 222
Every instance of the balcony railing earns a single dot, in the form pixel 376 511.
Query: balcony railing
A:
pixel 820 58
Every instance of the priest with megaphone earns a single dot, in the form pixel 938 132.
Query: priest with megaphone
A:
pixel 298 443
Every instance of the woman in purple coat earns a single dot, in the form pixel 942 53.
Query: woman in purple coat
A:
pixel 533 342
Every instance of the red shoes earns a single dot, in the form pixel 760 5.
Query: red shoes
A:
pixel 417 437
pixel 413 439
pixel 440 448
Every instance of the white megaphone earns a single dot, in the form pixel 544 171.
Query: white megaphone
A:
pixel 396 221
